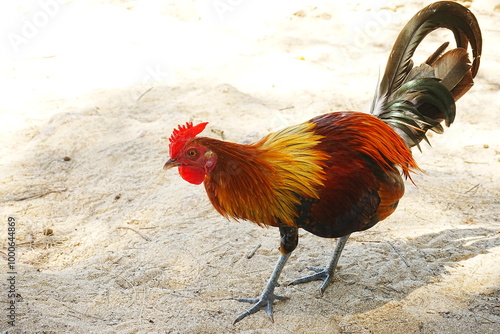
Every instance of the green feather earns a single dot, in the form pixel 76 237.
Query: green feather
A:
pixel 416 99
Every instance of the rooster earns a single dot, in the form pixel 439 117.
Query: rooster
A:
pixel 340 172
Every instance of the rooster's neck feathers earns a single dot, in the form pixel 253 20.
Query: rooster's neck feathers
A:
pixel 264 182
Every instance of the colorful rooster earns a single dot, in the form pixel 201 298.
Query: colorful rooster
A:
pixel 340 172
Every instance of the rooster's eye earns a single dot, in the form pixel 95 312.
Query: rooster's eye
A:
pixel 192 153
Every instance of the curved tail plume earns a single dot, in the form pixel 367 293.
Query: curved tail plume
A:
pixel 413 100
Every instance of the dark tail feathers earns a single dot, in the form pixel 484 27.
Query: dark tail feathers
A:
pixel 413 100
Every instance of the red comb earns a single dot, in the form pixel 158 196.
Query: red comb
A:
pixel 181 136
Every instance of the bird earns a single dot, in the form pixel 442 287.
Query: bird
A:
pixel 340 172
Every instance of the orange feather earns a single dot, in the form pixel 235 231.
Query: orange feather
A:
pixel 324 166
pixel 265 182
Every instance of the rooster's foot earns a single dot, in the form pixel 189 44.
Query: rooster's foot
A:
pixel 265 301
pixel 322 274
pixel 325 273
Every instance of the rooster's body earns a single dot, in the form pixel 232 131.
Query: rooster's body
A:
pixel 294 181
pixel 342 172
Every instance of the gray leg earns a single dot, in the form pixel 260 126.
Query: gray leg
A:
pixel 267 297
pixel 288 242
pixel 325 273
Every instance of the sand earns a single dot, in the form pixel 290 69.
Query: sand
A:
pixel 108 242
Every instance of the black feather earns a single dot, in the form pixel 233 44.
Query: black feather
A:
pixel 414 100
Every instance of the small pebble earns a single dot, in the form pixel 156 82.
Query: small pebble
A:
pixel 48 231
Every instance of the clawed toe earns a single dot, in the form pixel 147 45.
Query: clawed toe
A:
pixel 263 302
pixel 316 269
pixel 322 274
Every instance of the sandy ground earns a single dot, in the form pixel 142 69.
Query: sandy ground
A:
pixel 107 242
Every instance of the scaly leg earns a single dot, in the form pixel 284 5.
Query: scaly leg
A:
pixel 289 239
pixel 267 297
pixel 325 273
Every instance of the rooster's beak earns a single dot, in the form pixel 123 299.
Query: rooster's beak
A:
pixel 171 163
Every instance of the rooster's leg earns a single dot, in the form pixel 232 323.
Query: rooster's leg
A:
pixel 289 240
pixel 267 297
pixel 325 273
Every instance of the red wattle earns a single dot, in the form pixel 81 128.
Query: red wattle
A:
pixel 193 175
